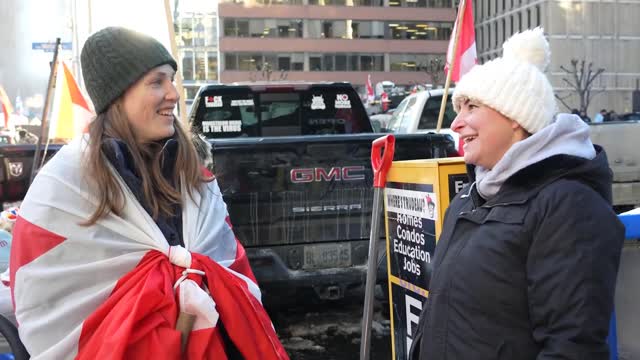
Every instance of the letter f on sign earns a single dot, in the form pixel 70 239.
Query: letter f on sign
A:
pixel 412 318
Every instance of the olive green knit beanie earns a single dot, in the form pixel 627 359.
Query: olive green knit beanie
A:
pixel 114 58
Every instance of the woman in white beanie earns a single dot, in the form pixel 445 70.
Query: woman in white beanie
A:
pixel 525 267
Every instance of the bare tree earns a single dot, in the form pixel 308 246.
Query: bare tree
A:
pixel 435 70
pixel 580 77
pixel 266 72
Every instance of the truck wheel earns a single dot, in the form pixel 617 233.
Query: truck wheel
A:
pixel 10 333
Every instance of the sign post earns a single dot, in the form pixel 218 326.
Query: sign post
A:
pixel 416 196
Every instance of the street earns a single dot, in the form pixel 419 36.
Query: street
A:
pixel 332 330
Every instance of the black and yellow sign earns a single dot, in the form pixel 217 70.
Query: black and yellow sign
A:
pixel 416 196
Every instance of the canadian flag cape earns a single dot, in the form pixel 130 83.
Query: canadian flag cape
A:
pixel 106 291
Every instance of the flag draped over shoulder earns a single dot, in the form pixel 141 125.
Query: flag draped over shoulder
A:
pixel 106 291
pixel 466 56
pixel 70 112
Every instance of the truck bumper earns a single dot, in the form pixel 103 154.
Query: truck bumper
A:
pixel 279 283
pixel 626 193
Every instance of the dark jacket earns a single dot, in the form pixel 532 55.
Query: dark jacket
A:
pixel 529 274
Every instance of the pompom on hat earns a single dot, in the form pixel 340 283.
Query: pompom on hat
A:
pixel 515 84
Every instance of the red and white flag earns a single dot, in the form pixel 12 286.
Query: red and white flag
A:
pixel 113 290
pixel 70 113
pixel 5 106
pixel 465 56
pixel 370 95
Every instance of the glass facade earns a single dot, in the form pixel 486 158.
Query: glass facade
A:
pixel 263 28
pixel 377 3
pixel 255 62
pixel 421 3
pixel 197 40
pixel 332 62
pixel 346 62
pixel 415 62
pixel 337 29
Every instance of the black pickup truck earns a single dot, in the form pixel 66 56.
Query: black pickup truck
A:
pixel 293 163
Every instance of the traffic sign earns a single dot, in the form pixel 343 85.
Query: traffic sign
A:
pixel 49 46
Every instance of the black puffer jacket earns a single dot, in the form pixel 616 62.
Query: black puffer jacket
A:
pixel 529 274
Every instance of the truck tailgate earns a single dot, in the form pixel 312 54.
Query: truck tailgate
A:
pixel 311 189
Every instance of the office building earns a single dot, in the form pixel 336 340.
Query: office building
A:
pixel 602 32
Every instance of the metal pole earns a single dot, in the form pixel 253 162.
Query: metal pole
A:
pixel 365 343
pixel 174 51
pixel 45 110
pixel 456 39
pixel 380 163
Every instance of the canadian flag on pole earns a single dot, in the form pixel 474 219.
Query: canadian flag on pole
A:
pixel 70 114
pixel 465 56
pixel 370 95
pixel 5 104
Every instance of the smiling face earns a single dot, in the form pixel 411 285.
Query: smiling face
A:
pixel 486 133
pixel 149 103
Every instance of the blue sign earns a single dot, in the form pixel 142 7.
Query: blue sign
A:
pixel 50 46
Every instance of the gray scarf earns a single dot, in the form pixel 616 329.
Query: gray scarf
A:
pixel 567 135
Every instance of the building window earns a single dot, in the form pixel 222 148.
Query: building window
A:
pixel 264 2
pixel 212 66
pixel 187 65
pixel 412 62
pixel 270 28
pixel 230 61
pixel 419 30
pixel 511 21
pixel 249 62
pixel 504 29
pixel 200 73
pixel 519 21
pixel 538 22
pixel 529 17
pixel 421 3
pixel 346 3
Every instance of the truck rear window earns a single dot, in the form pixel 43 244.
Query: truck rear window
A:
pixel 228 112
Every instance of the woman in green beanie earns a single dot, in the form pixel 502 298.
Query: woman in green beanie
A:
pixel 123 247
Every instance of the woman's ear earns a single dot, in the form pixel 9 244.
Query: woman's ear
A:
pixel 519 131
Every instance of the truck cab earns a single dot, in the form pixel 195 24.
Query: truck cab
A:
pixel 418 113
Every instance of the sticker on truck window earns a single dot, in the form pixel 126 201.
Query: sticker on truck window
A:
pixel 317 102
pixel 242 102
pixel 342 101
pixel 213 101
pixel 222 126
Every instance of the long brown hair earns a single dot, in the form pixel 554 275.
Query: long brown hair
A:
pixel 157 191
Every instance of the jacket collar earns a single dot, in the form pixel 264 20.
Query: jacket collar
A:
pixel 119 154
pixel 529 181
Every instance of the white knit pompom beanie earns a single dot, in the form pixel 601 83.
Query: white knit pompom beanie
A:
pixel 515 84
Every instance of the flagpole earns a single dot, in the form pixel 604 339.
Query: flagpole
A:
pixel 174 51
pixel 443 104
pixel 45 110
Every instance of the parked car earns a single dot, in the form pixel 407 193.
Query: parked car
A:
pixel 629 116
pixel 418 113
pixel 381 121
